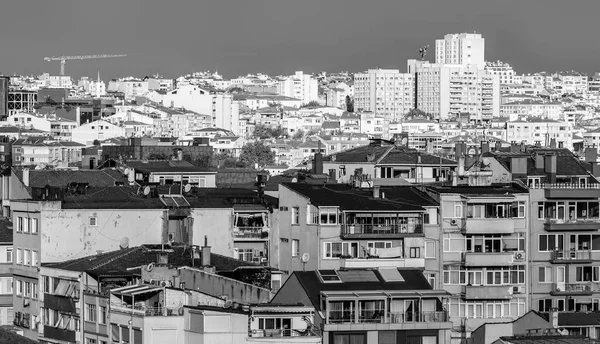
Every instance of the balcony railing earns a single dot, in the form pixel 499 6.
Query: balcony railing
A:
pixel 572 224
pixel 282 333
pixel 564 186
pixel 357 229
pixel 572 289
pixel 147 311
pixel 571 256
pixel 336 317
pixel 251 233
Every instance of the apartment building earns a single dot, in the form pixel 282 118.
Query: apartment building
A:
pixel 384 305
pixel 340 226
pixel 300 86
pixel 533 108
pixel 449 90
pixel 156 83
pixel 97 130
pixel 6 279
pixel 385 160
pixel 484 254
pixel 337 95
pixel 461 49
pixel 503 70
pixel 545 132
pixel 384 91
pixel 41 151
pixel 130 87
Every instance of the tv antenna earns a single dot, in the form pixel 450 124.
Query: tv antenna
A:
pixel 423 52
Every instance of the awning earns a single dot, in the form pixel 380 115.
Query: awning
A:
pixel 67 288
pixel 249 208
pixel 135 289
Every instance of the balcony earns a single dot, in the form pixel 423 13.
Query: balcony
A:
pixel 569 190
pixel 59 334
pixel 490 258
pixel 358 231
pixel 566 289
pixel 350 263
pixel 144 311
pixel 572 225
pixel 282 333
pixel 377 317
pixel 570 257
pixel 488 292
pixel 251 233
pixel 489 226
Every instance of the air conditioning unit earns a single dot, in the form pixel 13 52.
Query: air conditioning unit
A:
pixel 453 222
pixel 519 256
pixel 153 282
pixel 518 290
pixel 283 208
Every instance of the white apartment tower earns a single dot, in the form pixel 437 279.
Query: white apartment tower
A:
pixel 448 90
pixel 461 49
pixel 300 86
pixel 503 70
pixel 384 91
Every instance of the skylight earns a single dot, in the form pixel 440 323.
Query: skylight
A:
pixel 358 276
pixel 329 276
pixel 391 275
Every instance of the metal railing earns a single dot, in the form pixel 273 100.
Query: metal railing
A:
pixel 573 287
pixel 147 311
pixel 572 221
pixel 564 186
pixel 336 317
pixel 382 229
pixel 251 232
pixel 277 333
pixel 571 255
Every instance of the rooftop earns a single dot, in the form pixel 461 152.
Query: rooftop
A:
pixel 61 178
pixel 6 231
pixel 159 166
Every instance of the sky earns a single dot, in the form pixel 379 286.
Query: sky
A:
pixel 236 37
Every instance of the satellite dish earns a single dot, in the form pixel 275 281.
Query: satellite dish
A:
pixel 305 257
pixel 126 172
pixel 486 161
pixel 187 187
pixel 294 180
pixel 146 190
pixel 124 243
pixel 150 267
pixel 227 304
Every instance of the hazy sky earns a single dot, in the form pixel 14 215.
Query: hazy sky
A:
pixel 174 37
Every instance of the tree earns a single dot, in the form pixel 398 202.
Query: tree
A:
pixel 298 135
pixel 312 103
pixel 96 142
pixel 257 153
pixel 264 132
pixel 349 104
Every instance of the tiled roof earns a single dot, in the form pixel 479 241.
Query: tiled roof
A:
pixel 6 231
pixel 330 125
pixel 121 260
pixel 551 339
pixel 116 197
pixel 61 178
pixel 8 336
pixel 499 189
pixel 566 163
pixel 347 198
pixel 312 284
pixel 403 156
pixel 359 154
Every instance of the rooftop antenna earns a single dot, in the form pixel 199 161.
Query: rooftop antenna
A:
pixel 423 52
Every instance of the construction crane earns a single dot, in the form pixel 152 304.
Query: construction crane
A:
pixel 63 59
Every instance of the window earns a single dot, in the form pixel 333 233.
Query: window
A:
pixel 545 305
pixel 587 274
pixel 34 290
pixel 19 256
pixel 27 257
pixel 379 244
pixel 19 224
pixel 102 319
pixel 296 215
pixel 33 225
pixel 415 252
pixel 312 214
pixel 328 216
pixel 9 254
pixel 545 274
pixel 93 221
pixel 458 210
pixel 27 291
pixel 431 279
pixel 295 247
pixel 551 242
pixel 90 341
pixel 34 258
pixel 245 254
pixel 430 249
pixel 46 284
pixel 340 250
pixel 90 312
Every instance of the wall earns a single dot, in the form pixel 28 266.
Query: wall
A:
pixel 292 293
pixel 216 285
pixel 367 168
pixel 217 225
pixel 207 327
pixel 67 234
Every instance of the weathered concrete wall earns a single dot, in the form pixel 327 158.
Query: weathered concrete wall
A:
pixel 219 286
pixel 217 225
pixel 67 234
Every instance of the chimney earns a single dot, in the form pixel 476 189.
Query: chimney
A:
pixel 514 147
pixel 318 163
pixel 163 258
pixel 591 154
pixel 461 166
pixel 518 166
pixel 550 168
pixel 376 191
pixel 553 143
pixel 429 147
pixel 180 154
pixel 595 169
pixel 522 146
pixel 26 176
pixel 498 146
pixel 459 150
pixel 485 147
pixel 205 252
pixel 554 317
